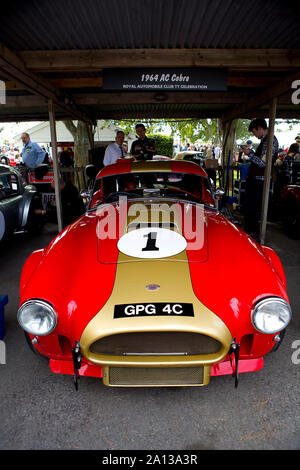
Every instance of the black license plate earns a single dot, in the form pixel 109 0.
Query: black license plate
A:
pixel 154 309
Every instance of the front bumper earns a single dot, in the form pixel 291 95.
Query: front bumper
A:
pixel 91 370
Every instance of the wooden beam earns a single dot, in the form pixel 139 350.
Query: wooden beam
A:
pixel 156 113
pixel 93 60
pixel 55 165
pixel 268 169
pixel 282 113
pixel 36 114
pixel 261 98
pixel 190 97
pixel 13 68
pixel 142 98
pixel 25 101
pixel 129 98
pixel 87 82
pixel 250 82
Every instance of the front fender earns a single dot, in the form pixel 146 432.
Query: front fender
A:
pixel 275 261
pixel 29 267
pixel 28 196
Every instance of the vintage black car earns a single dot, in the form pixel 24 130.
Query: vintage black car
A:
pixel 20 206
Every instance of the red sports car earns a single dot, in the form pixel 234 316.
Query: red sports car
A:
pixel 153 286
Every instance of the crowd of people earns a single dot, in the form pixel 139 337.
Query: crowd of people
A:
pixel 209 150
pixel 144 148
pixel 36 157
pixel 33 155
pixel 281 175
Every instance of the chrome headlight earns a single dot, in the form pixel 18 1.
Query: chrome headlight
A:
pixel 37 317
pixel 271 315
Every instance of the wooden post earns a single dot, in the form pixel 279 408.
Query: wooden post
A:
pixel 227 144
pixel 268 171
pixel 55 165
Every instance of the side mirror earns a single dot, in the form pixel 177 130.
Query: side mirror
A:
pixel 85 195
pixel 219 193
pixel 91 171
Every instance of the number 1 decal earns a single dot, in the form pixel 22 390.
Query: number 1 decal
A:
pixel 151 242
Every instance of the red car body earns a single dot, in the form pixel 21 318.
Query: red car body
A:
pixel 79 275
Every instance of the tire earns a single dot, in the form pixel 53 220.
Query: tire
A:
pixel 35 222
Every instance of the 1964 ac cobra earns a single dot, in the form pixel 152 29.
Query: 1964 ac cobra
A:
pixel 153 286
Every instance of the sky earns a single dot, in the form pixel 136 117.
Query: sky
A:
pixel 10 129
pixel 285 136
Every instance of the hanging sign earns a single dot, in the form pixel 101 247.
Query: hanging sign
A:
pixel 173 79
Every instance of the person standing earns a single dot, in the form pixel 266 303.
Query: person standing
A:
pixel 116 150
pixel 255 176
pixel 65 158
pixel 249 145
pixel 294 153
pixel 32 153
pixel 297 141
pixel 209 152
pixel 142 148
pixel 66 161
pixel 217 152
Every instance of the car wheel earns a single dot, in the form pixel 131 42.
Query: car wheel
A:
pixel 36 216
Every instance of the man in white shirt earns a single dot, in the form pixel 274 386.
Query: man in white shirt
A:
pixel 217 152
pixel 116 150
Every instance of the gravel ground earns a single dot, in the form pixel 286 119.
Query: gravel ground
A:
pixel 41 410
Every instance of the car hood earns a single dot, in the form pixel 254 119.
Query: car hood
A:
pixel 162 230
pixel 78 272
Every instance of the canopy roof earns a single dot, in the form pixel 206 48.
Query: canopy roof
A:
pixel 59 50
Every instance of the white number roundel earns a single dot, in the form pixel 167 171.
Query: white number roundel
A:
pixel 152 243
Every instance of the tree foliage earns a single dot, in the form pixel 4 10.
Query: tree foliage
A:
pixel 164 144
pixel 188 130
pixel 128 125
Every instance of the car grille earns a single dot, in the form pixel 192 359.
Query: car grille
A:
pixel 156 343
pixel 160 376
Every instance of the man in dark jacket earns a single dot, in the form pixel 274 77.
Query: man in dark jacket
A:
pixel 71 201
pixel 143 148
pixel 255 176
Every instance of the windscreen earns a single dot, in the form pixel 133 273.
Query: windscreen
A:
pixel 185 186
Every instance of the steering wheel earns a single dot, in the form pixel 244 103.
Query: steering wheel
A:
pixel 171 192
pixel 112 197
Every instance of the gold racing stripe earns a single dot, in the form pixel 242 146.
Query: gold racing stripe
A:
pixel 151 165
pixel 173 276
